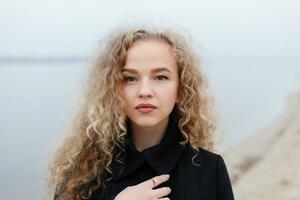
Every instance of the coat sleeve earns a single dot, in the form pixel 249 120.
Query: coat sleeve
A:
pixel 224 188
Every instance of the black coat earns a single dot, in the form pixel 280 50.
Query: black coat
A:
pixel 209 181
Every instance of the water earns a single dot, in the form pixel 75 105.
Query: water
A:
pixel 34 103
pixel 36 100
pixel 251 94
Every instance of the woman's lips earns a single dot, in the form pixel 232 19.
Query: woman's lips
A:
pixel 145 105
pixel 146 109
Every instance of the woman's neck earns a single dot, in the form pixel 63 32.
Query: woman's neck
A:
pixel 145 137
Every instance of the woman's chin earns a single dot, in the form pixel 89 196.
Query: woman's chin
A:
pixel 145 122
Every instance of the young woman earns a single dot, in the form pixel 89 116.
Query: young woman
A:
pixel 145 127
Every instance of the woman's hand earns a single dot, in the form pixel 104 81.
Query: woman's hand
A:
pixel 145 191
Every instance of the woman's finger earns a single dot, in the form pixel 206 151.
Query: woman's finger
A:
pixel 155 181
pixel 161 192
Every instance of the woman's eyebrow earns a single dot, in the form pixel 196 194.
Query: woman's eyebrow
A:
pixel 160 69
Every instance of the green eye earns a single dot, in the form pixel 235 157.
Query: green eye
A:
pixel 128 78
pixel 162 77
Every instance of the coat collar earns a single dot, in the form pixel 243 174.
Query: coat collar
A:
pixel 162 157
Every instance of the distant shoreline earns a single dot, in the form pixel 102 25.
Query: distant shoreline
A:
pixel 268 159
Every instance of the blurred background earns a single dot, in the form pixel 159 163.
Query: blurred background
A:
pixel 249 49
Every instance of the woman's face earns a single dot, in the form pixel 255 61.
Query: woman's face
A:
pixel 149 77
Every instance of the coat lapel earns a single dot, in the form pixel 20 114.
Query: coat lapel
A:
pixel 162 157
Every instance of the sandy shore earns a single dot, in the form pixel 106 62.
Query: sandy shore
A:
pixel 267 165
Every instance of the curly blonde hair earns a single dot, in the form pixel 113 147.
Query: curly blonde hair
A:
pixel 98 128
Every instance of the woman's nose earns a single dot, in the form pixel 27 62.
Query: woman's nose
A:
pixel 145 89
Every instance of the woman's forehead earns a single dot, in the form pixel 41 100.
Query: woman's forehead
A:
pixel 150 55
pixel 148 49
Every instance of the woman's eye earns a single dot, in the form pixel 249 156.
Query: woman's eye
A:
pixel 129 78
pixel 161 77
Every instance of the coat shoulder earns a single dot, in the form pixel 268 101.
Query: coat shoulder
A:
pixel 203 156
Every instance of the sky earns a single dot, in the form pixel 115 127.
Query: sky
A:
pixel 266 28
